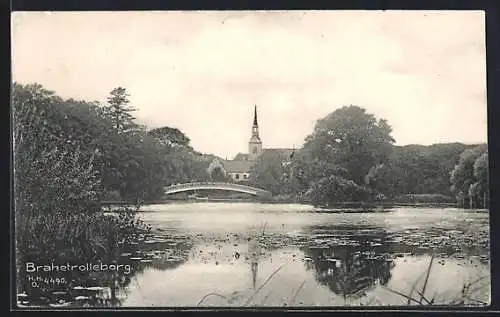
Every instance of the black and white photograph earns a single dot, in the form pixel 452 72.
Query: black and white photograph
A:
pixel 201 159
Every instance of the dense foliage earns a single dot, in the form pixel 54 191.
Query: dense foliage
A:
pixel 71 155
pixel 469 178
pixel 269 172
pixel 334 161
pixel 350 156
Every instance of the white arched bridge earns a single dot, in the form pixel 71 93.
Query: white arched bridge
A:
pixel 216 185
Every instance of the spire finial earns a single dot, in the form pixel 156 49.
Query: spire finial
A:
pixel 255 116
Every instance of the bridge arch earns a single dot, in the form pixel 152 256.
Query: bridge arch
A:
pixel 173 189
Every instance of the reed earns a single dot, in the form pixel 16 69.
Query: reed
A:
pixel 248 301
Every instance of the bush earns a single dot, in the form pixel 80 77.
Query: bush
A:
pixel 335 189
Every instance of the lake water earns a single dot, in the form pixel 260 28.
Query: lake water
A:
pixel 318 258
pixel 250 254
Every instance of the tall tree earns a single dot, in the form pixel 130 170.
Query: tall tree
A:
pixel 119 111
pixel 53 165
pixel 351 138
pixel 480 189
pixel 342 150
pixel 462 176
pixel 481 170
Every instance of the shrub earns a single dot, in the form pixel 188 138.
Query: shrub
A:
pixel 334 189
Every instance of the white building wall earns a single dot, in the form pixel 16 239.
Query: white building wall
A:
pixel 238 177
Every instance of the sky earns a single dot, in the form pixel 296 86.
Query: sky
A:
pixel 203 72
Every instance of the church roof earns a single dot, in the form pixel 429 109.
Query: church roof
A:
pixel 237 166
pixel 242 163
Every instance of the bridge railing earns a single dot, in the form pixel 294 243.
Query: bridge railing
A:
pixel 231 185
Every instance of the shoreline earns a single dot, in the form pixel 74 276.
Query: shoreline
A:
pixel 361 205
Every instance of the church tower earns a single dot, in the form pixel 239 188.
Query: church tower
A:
pixel 255 144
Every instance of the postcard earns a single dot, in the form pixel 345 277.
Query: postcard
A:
pixel 289 159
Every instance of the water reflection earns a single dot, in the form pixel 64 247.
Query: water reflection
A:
pixel 228 252
pixel 254 250
pixel 349 260
pixel 348 271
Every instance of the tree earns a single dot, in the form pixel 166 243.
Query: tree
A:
pixel 170 137
pixel 217 175
pixel 462 176
pixel 439 161
pixel 382 179
pixel 417 169
pixel 269 173
pixel 352 139
pixel 481 186
pixel 53 167
pixel 58 180
pixel 481 170
pixel 343 149
pixel 119 112
pixel 143 169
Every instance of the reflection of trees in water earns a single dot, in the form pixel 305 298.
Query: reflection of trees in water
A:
pixel 352 267
pixel 348 272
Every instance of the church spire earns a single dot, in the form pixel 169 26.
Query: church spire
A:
pixel 255 144
pixel 255 116
pixel 255 126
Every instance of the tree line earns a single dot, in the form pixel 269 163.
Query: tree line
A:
pixel 71 155
pixel 351 156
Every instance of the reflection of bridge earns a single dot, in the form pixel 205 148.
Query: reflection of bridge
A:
pixel 216 185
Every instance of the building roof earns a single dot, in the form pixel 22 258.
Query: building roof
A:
pixel 237 166
pixel 242 163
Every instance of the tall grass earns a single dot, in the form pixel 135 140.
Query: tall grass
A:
pixel 82 236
